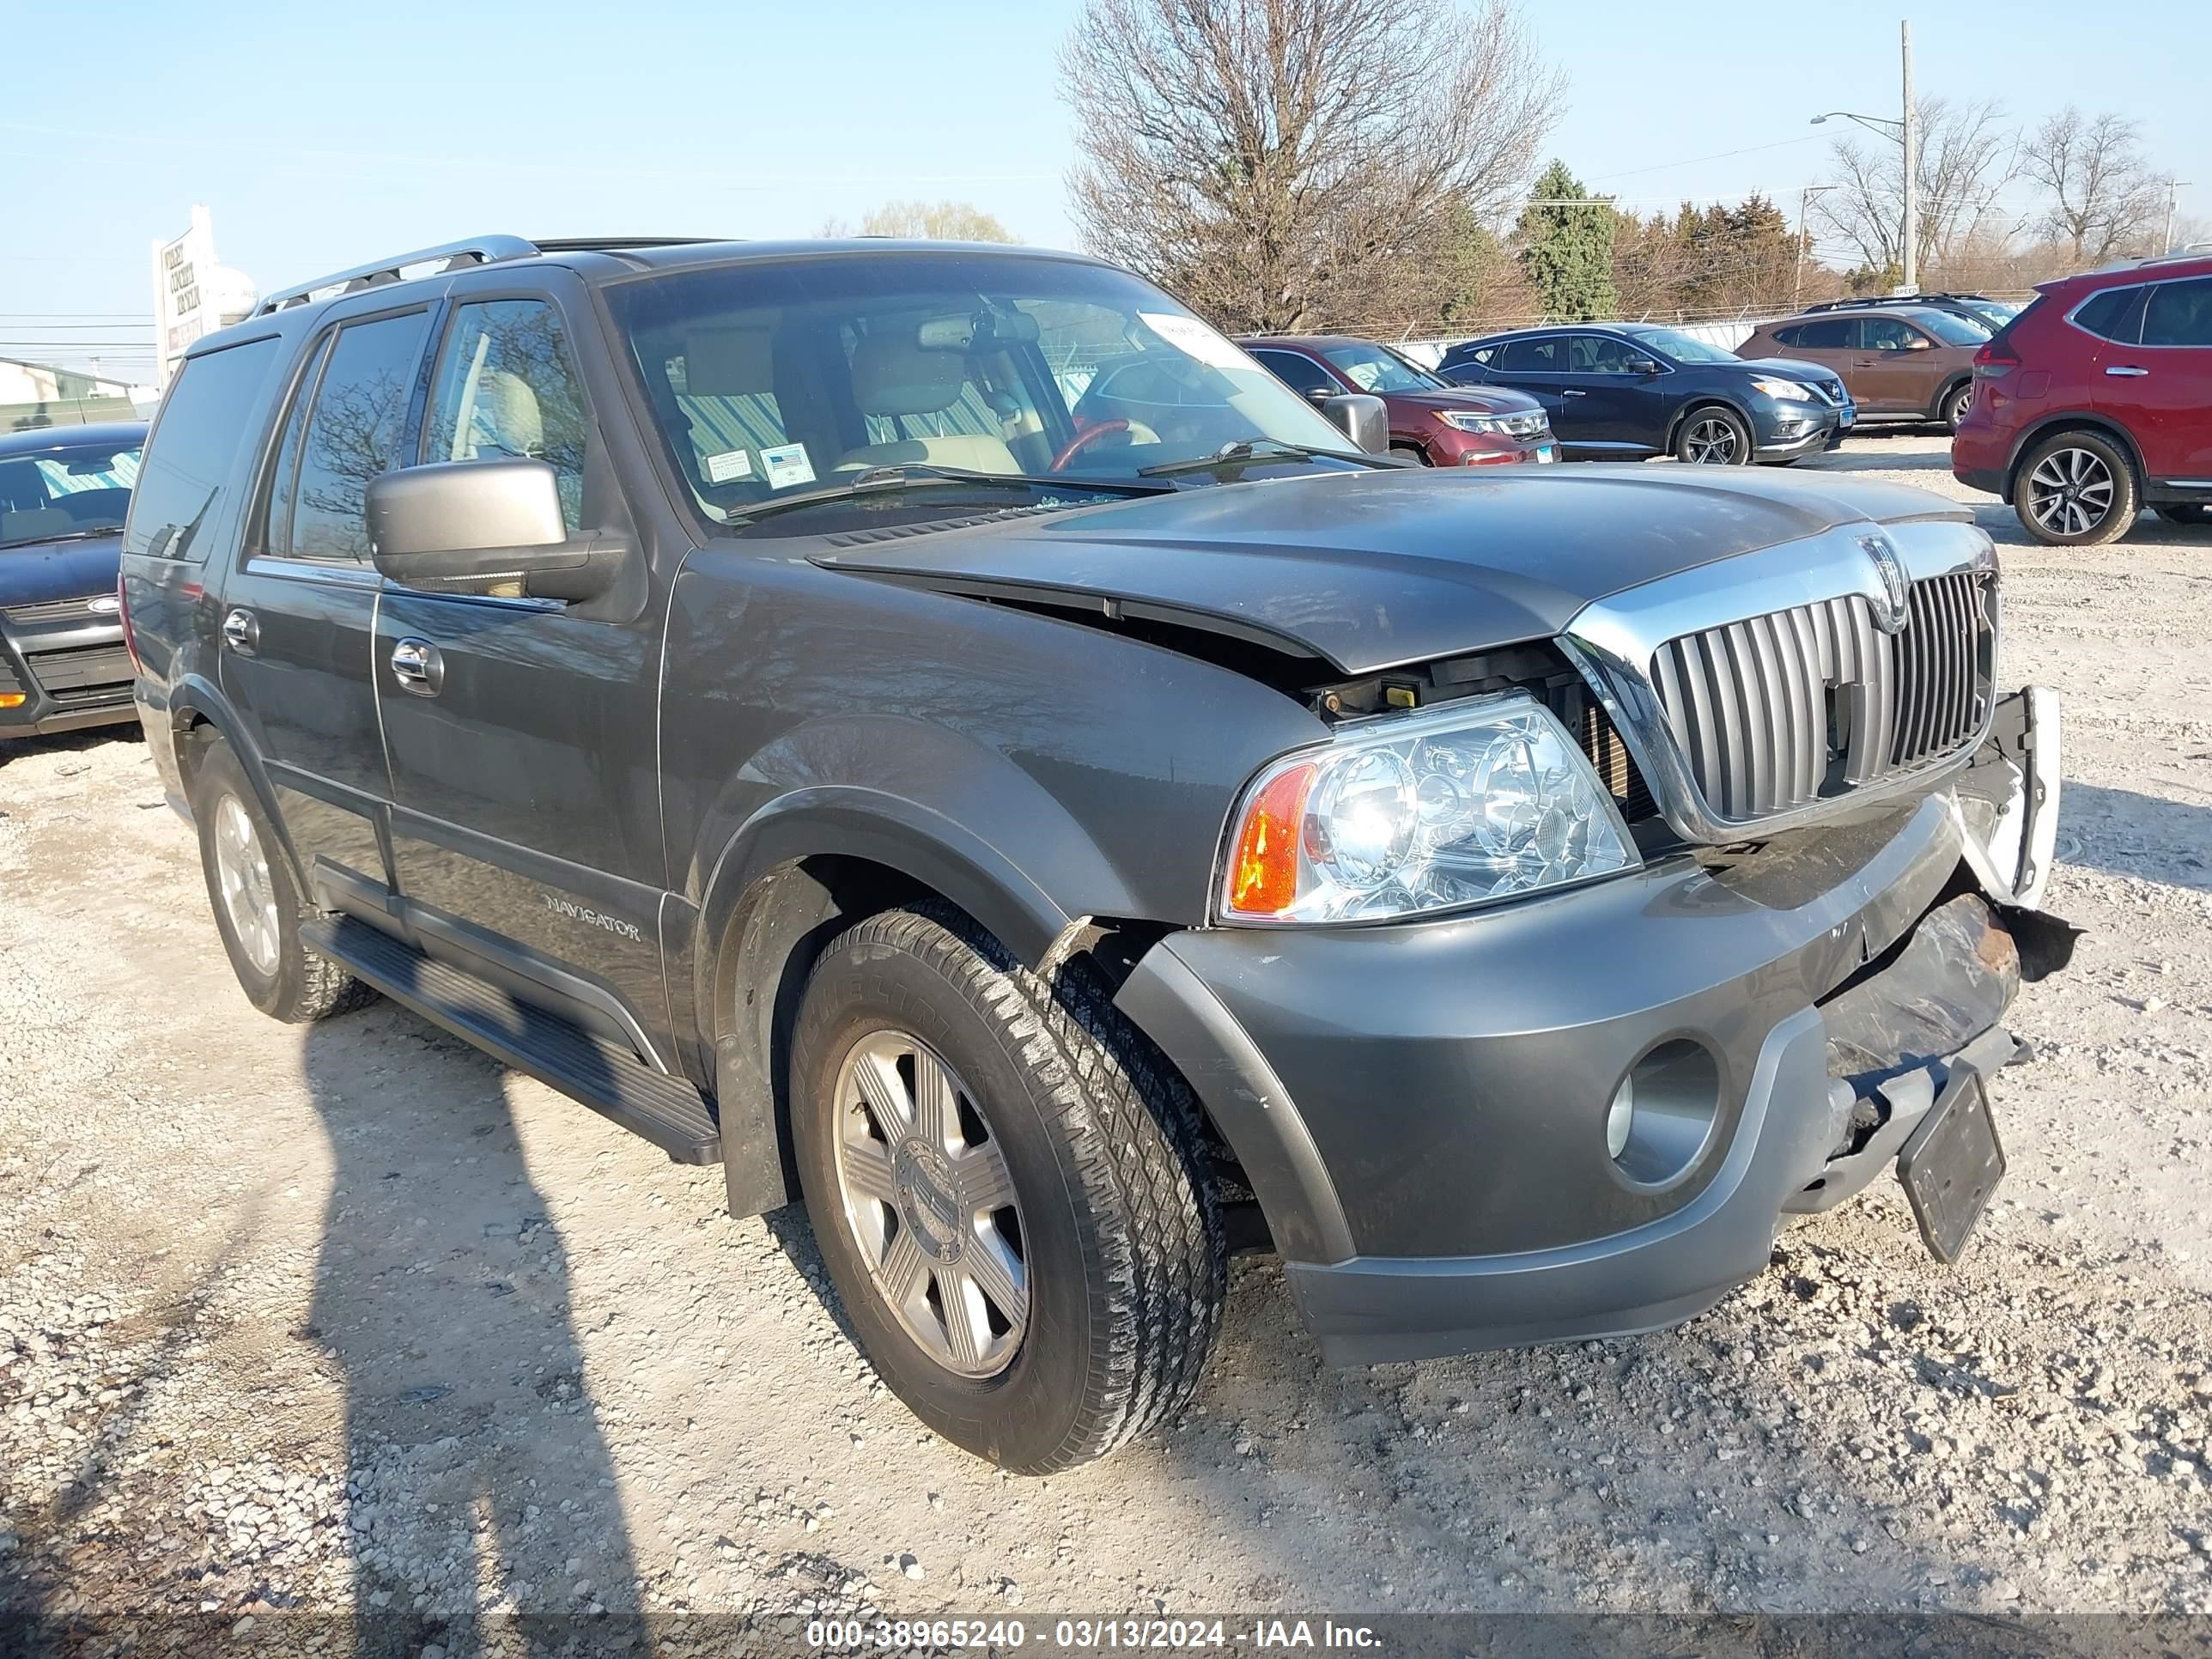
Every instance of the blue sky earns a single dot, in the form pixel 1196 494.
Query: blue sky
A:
pixel 321 136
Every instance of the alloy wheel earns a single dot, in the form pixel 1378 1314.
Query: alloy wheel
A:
pixel 242 875
pixel 1711 442
pixel 2070 491
pixel 930 1201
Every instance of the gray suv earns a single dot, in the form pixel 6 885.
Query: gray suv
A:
pixel 942 733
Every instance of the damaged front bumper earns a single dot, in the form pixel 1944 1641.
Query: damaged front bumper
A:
pixel 1422 1110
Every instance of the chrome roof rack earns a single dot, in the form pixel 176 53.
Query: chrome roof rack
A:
pixel 476 250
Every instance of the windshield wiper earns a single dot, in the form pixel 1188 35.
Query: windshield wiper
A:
pixel 924 476
pixel 66 536
pixel 1246 450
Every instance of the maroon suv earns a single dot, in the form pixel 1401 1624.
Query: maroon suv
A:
pixel 2096 401
pixel 1431 420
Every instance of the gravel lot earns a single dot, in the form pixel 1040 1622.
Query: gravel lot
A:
pixel 347 1318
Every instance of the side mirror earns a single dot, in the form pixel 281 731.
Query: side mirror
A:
pixel 1646 367
pixel 1362 418
pixel 478 526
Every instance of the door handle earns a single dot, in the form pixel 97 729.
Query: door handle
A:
pixel 1571 393
pixel 242 631
pixel 417 666
pixel 2128 371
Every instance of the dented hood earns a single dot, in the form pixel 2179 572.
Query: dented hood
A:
pixel 1368 570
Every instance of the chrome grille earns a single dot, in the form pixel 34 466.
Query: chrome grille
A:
pixel 1781 711
pixel 51 611
pixel 1526 426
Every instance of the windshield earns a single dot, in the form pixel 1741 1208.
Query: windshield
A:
pixel 1952 329
pixel 1683 348
pixel 1996 312
pixel 1372 368
pixel 67 490
pixel 798 376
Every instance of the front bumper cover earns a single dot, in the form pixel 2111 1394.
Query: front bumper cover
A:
pixel 1434 1173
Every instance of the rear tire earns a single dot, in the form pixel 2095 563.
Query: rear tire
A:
pixel 257 908
pixel 2076 489
pixel 1713 436
pixel 932 1075
pixel 1952 409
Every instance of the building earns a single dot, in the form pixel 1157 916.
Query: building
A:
pixel 193 293
pixel 40 394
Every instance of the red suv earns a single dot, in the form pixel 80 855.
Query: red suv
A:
pixel 1432 420
pixel 2097 401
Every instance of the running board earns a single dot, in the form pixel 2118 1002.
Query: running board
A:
pixel 667 1111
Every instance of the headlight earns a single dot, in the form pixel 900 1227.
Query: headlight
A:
pixel 1786 391
pixel 1480 799
pixel 1470 423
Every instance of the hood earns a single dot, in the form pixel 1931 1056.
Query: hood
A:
pixel 1478 399
pixel 31 572
pixel 1367 570
pixel 1794 368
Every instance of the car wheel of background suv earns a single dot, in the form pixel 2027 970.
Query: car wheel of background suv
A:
pixel 2074 489
pixel 1009 1190
pixel 257 910
pixel 1713 436
pixel 1952 409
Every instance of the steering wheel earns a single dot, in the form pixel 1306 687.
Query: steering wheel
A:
pixel 1137 431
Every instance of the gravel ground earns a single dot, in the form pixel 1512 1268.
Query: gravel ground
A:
pixel 347 1318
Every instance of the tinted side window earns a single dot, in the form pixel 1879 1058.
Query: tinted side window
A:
pixel 1831 334
pixel 2180 314
pixel 1789 336
pixel 1889 334
pixel 1599 354
pixel 1533 356
pixel 353 431
pixel 274 532
pixel 507 390
pixel 1299 373
pixel 2116 314
pixel 214 402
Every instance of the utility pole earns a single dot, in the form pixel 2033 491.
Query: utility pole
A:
pixel 1804 242
pixel 1911 229
pixel 2173 202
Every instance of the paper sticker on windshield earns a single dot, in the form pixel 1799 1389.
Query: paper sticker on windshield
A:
pixel 787 464
pixel 730 464
pixel 1193 339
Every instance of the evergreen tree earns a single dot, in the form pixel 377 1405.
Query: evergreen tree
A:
pixel 1566 247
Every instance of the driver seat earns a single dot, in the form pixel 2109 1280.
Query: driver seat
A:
pixel 892 376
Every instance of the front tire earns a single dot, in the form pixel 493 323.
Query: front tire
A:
pixel 1413 452
pixel 2076 489
pixel 1713 436
pixel 257 908
pixel 1007 1186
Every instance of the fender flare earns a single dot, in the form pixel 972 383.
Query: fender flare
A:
pixel 196 700
pixel 1964 377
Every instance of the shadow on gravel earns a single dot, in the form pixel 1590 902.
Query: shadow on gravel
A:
pixel 475 1459
pixel 1848 459
pixel 2150 838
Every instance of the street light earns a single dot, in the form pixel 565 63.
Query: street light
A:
pixel 1900 133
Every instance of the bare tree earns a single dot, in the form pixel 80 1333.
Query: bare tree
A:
pixel 1968 156
pixel 1275 161
pixel 2104 197
pixel 942 222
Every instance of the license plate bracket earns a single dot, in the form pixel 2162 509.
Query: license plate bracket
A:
pixel 1952 1165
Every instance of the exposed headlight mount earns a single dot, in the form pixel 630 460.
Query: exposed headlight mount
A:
pixel 1475 801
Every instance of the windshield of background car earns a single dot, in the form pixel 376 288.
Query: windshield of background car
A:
pixel 794 375
pixel 72 490
pixel 1953 329
pixel 1373 370
pixel 1683 348
pixel 1996 312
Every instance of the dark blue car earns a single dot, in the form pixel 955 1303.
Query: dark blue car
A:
pixel 64 494
pixel 1625 392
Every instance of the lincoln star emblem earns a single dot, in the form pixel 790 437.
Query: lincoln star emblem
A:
pixel 1890 614
pixel 106 605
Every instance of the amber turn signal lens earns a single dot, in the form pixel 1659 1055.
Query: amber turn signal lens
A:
pixel 1263 875
pixel 14 699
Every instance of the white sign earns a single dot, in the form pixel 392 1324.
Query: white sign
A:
pixel 193 295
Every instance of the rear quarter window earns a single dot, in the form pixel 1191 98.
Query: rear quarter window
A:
pixel 215 400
